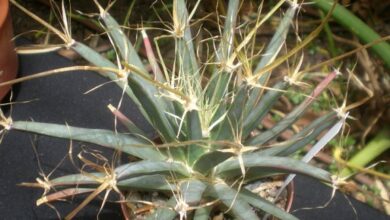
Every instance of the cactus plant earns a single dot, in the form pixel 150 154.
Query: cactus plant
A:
pixel 206 115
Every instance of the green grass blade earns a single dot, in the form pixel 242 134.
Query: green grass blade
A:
pixel 106 138
pixel 324 140
pixel 229 197
pixel 216 91
pixel 232 168
pixel 265 205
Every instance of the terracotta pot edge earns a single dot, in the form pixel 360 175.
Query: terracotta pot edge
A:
pixel 4 10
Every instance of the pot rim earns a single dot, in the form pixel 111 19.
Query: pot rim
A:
pixel 4 4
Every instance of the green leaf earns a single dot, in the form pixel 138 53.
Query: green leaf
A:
pixel 153 105
pixel 131 127
pixel 194 129
pixel 303 138
pixel 254 117
pixel 121 41
pixel 265 205
pixel 321 143
pixel 293 116
pixel 132 175
pixel 126 143
pixel 188 73
pixel 278 39
pixel 209 160
pixel 77 179
pixel 94 57
pixel 166 212
pixel 185 44
pixel 233 121
pixel 232 168
pixel 227 41
pixel 98 60
pixel 220 80
pixel 154 108
pixel 148 167
pixel 154 182
pixel 192 191
pixel 202 213
pixel 271 52
pixel 147 182
pixel 229 197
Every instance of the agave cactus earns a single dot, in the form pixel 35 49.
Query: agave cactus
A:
pixel 206 114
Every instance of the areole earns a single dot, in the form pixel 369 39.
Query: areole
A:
pixel 8 58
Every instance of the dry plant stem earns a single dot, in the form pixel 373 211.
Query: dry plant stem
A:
pixel 73 55
pixel 328 32
pixel 356 26
pixel 371 125
pixel 36 49
pixel 347 54
pixel 104 186
pixel 384 195
pixel 86 22
pixel 120 73
pixel 297 48
pixel 364 59
pixel 67 39
pixel 63 194
pixel 60 71
pixel 367 64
